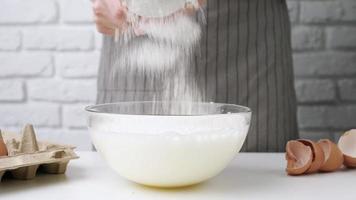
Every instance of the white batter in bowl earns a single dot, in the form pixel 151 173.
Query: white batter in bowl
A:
pixel 145 145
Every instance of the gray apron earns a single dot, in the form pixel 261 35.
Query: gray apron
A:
pixel 245 59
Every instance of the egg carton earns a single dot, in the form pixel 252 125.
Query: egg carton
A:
pixel 25 155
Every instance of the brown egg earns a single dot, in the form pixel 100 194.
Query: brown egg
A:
pixel 3 148
pixel 347 145
pixel 299 157
pixel 318 155
pixel 333 156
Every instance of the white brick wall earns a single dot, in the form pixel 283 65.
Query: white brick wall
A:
pixel 10 40
pixel 341 37
pixel 26 64
pixel 12 90
pixel 58 38
pixel 17 12
pixel 40 114
pixel 315 91
pixel 49 52
pixel 324 41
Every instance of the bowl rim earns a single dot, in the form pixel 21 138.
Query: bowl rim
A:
pixel 91 109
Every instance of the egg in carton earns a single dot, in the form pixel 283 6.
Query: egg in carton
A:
pixel 22 155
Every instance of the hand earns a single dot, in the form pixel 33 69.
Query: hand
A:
pixel 109 15
pixel 190 8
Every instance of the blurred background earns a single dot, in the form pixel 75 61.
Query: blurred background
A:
pixel 49 53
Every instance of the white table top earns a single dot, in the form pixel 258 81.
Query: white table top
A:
pixel 249 176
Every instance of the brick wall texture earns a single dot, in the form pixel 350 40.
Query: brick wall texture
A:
pixel 49 53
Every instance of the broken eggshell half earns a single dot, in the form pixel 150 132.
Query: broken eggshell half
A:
pixel 318 155
pixel 3 148
pixel 347 145
pixel 333 156
pixel 299 157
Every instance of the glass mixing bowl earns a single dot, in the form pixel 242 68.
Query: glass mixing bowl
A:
pixel 151 143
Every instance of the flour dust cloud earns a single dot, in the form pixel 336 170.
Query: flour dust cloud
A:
pixel 165 53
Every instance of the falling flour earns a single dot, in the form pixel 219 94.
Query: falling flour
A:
pixel 166 52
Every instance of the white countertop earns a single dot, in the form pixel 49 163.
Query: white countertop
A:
pixel 249 176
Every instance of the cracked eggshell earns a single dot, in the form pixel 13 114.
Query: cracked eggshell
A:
pixel 333 156
pixel 299 157
pixel 318 155
pixel 3 148
pixel 347 145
